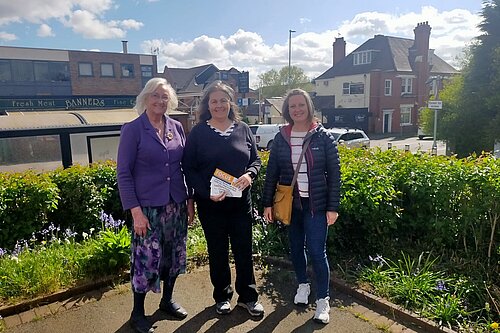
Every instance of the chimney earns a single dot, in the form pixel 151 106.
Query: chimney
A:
pixel 421 44
pixel 124 46
pixel 338 50
pixel 419 56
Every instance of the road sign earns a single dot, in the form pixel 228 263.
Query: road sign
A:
pixel 436 105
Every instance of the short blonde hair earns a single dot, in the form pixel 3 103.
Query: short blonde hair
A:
pixel 149 88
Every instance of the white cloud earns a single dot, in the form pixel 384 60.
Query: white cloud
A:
pixel 88 25
pixel 312 51
pixel 131 24
pixel 45 31
pixel 84 17
pixel 7 37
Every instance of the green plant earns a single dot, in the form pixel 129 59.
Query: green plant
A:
pixel 25 201
pixel 113 248
pixel 81 199
pixel 419 286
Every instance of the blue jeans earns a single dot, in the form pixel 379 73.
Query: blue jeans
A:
pixel 309 232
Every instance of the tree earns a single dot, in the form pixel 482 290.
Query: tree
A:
pixel 275 83
pixel 470 120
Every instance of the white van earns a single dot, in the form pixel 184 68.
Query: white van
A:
pixel 264 134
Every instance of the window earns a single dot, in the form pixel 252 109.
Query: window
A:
pixel 22 70
pixel 59 71
pixel 41 71
pixel 362 58
pixel 5 74
pixel 325 83
pixel 147 71
pixel 107 70
pixel 85 69
pixel 127 70
pixel 388 88
pixel 353 88
pixel 405 115
pixel 406 85
pixel 345 88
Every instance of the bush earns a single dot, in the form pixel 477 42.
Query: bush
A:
pixel 82 199
pixel 26 199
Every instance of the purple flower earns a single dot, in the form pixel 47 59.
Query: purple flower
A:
pixel 441 286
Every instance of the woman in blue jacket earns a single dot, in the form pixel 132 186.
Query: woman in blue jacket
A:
pixel 316 193
pixel 152 187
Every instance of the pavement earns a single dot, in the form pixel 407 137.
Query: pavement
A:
pixel 108 309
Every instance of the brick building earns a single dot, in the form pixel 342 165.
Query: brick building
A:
pixel 381 85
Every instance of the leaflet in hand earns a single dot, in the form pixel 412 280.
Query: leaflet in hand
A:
pixel 224 182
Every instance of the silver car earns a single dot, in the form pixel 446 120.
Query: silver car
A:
pixel 350 137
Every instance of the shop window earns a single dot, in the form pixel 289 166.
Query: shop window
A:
pixel 22 70
pixel 41 71
pixel 5 73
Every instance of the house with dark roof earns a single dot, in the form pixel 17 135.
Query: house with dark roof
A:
pixel 190 83
pixel 381 86
pixel 266 112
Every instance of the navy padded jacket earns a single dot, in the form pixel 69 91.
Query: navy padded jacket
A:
pixel 323 169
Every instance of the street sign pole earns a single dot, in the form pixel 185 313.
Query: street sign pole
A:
pixel 435 104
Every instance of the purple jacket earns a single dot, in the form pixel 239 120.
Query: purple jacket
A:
pixel 149 172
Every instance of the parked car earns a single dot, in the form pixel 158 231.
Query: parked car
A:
pixel 264 134
pixel 351 137
pixel 421 134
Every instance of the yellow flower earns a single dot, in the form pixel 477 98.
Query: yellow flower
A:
pixel 494 326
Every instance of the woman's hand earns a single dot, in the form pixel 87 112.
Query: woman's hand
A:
pixel 331 217
pixel 141 222
pixel 190 211
pixel 219 197
pixel 243 182
pixel 268 214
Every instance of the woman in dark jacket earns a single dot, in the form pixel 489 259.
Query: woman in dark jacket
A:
pixel 316 193
pixel 221 141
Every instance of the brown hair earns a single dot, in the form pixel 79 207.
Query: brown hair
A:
pixel 204 113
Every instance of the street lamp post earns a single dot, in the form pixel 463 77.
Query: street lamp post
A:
pixel 290 57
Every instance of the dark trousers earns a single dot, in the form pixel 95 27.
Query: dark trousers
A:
pixel 224 223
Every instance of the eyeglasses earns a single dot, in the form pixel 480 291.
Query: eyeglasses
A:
pixel 158 96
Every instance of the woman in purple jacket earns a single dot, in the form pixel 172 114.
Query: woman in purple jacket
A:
pixel 152 186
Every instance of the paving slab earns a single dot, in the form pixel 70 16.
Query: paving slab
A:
pixel 276 289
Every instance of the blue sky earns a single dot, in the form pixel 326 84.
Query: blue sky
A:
pixel 247 35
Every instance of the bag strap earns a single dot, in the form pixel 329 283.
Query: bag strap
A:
pixel 296 173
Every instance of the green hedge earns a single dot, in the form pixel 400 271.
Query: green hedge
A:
pixel 391 201
pixel 26 199
pixel 71 198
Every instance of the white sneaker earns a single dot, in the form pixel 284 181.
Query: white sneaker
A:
pixel 322 313
pixel 302 296
pixel 223 308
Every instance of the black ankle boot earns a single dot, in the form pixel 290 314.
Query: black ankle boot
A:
pixel 140 324
pixel 167 304
pixel 138 320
